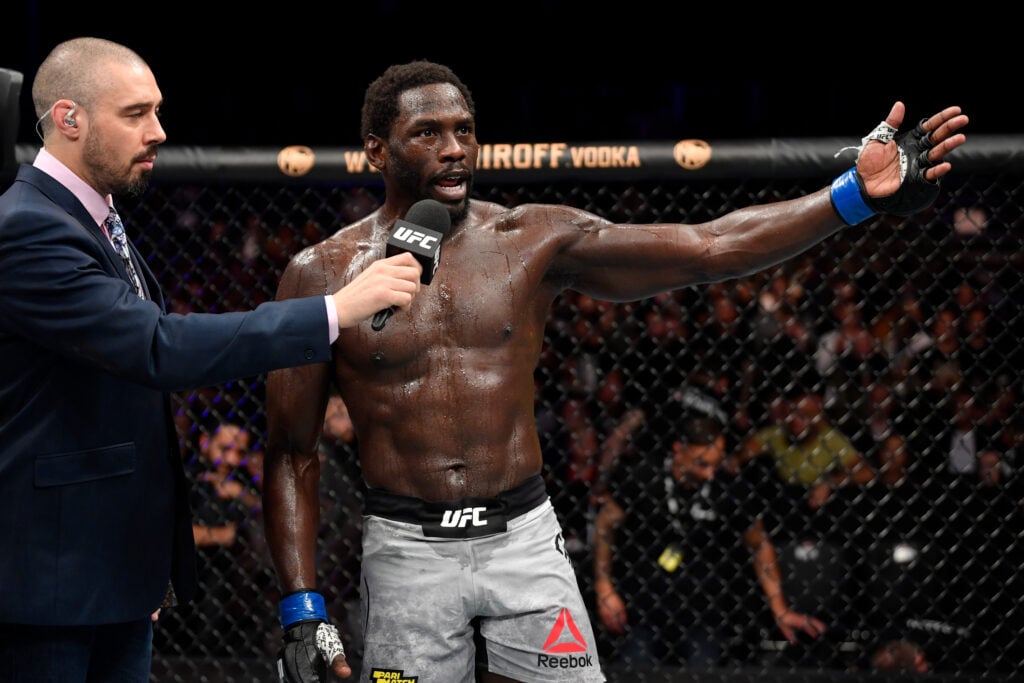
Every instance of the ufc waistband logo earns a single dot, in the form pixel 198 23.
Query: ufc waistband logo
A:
pixel 458 519
pixel 469 521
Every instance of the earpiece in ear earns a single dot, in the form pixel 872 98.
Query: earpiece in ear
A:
pixel 69 118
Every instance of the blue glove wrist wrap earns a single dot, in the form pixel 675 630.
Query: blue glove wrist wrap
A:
pixel 302 606
pixel 848 200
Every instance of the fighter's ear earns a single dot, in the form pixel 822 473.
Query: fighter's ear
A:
pixel 373 147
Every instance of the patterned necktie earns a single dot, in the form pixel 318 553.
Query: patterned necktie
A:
pixel 116 230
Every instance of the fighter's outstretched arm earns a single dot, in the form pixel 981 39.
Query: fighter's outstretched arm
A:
pixel 893 174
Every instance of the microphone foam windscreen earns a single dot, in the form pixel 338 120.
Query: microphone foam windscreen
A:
pixel 430 213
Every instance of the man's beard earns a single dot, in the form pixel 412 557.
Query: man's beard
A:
pixel 136 186
pixel 111 179
pixel 463 211
pixel 411 183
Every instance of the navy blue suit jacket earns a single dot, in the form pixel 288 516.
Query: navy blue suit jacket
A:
pixel 94 517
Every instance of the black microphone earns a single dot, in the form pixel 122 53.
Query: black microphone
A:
pixel 419 233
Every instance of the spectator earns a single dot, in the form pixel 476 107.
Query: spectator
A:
pixel 670 562
pixel 903 656
pixel 224 495
pixel 724 352
pixel 848 359
pixel 983 347
pixel 950 436
pixel 1007 440
pixel 783 328
pixel 230 550
pixel 932 362
pixel 806 449
pixel 879 415
pixel 899 328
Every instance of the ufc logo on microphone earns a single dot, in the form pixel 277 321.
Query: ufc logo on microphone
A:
pixel 410 236
pixel 460 518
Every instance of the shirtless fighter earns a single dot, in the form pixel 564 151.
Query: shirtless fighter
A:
pixel 463 572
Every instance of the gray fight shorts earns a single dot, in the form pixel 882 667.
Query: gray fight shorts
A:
pixel 474 582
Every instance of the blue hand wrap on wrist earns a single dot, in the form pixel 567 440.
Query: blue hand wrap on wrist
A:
pixel 302 606
pixel 848 200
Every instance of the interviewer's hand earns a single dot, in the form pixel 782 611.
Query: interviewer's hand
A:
pixel 392 281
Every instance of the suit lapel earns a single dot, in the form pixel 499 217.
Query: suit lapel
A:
pixel 63 198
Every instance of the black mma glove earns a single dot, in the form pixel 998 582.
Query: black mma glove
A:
pixel 300 660
pixel 310 642
pixel 916 193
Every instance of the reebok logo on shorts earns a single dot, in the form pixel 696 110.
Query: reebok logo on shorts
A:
pixel 393 675
pixel 563 642
pixel 559 641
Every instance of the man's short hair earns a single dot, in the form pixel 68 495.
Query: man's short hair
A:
pixel 703 420
pixel 380 105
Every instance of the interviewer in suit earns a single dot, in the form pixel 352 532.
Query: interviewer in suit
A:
pixel 94 520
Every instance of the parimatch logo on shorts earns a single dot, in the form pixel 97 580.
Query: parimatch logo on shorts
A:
pixel 393 675
pixel 562 645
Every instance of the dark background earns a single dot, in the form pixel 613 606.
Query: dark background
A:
pixel 273 74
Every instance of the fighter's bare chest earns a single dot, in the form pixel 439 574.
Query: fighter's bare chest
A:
pixel 478 300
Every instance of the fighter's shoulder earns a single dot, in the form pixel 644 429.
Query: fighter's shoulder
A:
pixel 534 215
pixel 320 263
pixel 344 242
